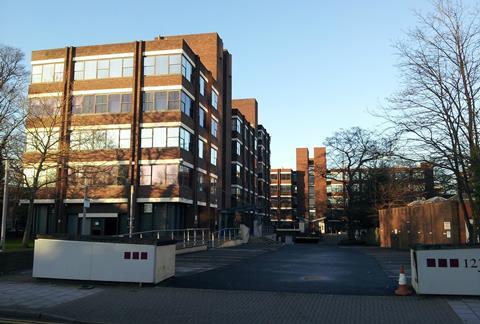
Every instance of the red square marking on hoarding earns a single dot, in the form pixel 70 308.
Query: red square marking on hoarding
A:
pixel 453 263
pixel 442 263
pixel 126 255
pixel 135 255
pixel 431 263
pixel 144 255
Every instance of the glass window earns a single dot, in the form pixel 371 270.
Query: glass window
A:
pixel 127 67
pixel 114 103
pixel 102 69
pixel 149 65
pixel 100 104
pixel 112 138
pixel 116 68
pixel 146 137
pixel 213 190
pixel 79 70
pixel 202 85
pixel 201 182
pixel 201 117
pixel 88 104
pixel 186 68
pixel 100 139
pixel 58 72
pixel 145 175
pixel 174 100
pixel 90 70
pixel 185 139
pixel 37 73
pixel 126 102
pixel 48 73
pixel 201 145
pixel 172 174
pixel 172 137
pixel 186 104
pixel 159 137
pixel 161 100
pixel 124 138
pixel 175 62
pixel 214 100
pixel 158 174
pixel 214 127
pixel 161 65
pixel 213 156
pixel 184 175
pixel 148 101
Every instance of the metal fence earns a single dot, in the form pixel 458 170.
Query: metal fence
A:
pixel 191 237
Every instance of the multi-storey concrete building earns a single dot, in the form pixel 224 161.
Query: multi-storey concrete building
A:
pixel 250 163
pixel 154 118
pixel 283 198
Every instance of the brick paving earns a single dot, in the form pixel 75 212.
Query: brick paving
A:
pixel 178 305
pixel 38 296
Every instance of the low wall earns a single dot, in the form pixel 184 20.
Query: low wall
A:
pixel 103 261
pixel 12 261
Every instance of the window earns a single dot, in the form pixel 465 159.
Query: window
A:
pixel 47 72
pixel 186 68
pixel 102 69
pixel 201 182
pixel 185 139
pixel 185 176
pixel 42 140
pixel 213 156
pixel 202 82
pixel 159 175
pixel 100 104
pixel 99 139
pixel 237 125
pixel 162 64
pixel 186 104
pixel 201 117
pixel 237 148
pixel 165 137
pixel 166 100
pixel 273 176
pixel 46 177
pixel 213 190
pixel 201 149
pixel 49 106
pixel 214 127
pixel 214 99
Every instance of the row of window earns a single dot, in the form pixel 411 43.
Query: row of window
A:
pixel 166 137
pixel 102 103
pixel 167 100
pixel 121 67
pixel 167 64
pixel 119 103
pixel 47 72
pixel 102 69
pixel 98 139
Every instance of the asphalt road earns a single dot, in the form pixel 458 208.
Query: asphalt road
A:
pixel 301 268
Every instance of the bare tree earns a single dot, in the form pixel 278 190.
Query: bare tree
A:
pixel 13 80
pixel 351 152
pixel 38 160
pixel 436 110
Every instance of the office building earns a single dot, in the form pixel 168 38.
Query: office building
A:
pixel 152 119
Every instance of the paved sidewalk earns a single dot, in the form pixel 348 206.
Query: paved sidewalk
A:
pixel 178 305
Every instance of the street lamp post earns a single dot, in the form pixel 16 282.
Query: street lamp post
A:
pixel 4 208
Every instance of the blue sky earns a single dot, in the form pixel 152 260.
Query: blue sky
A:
pixel 314 66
